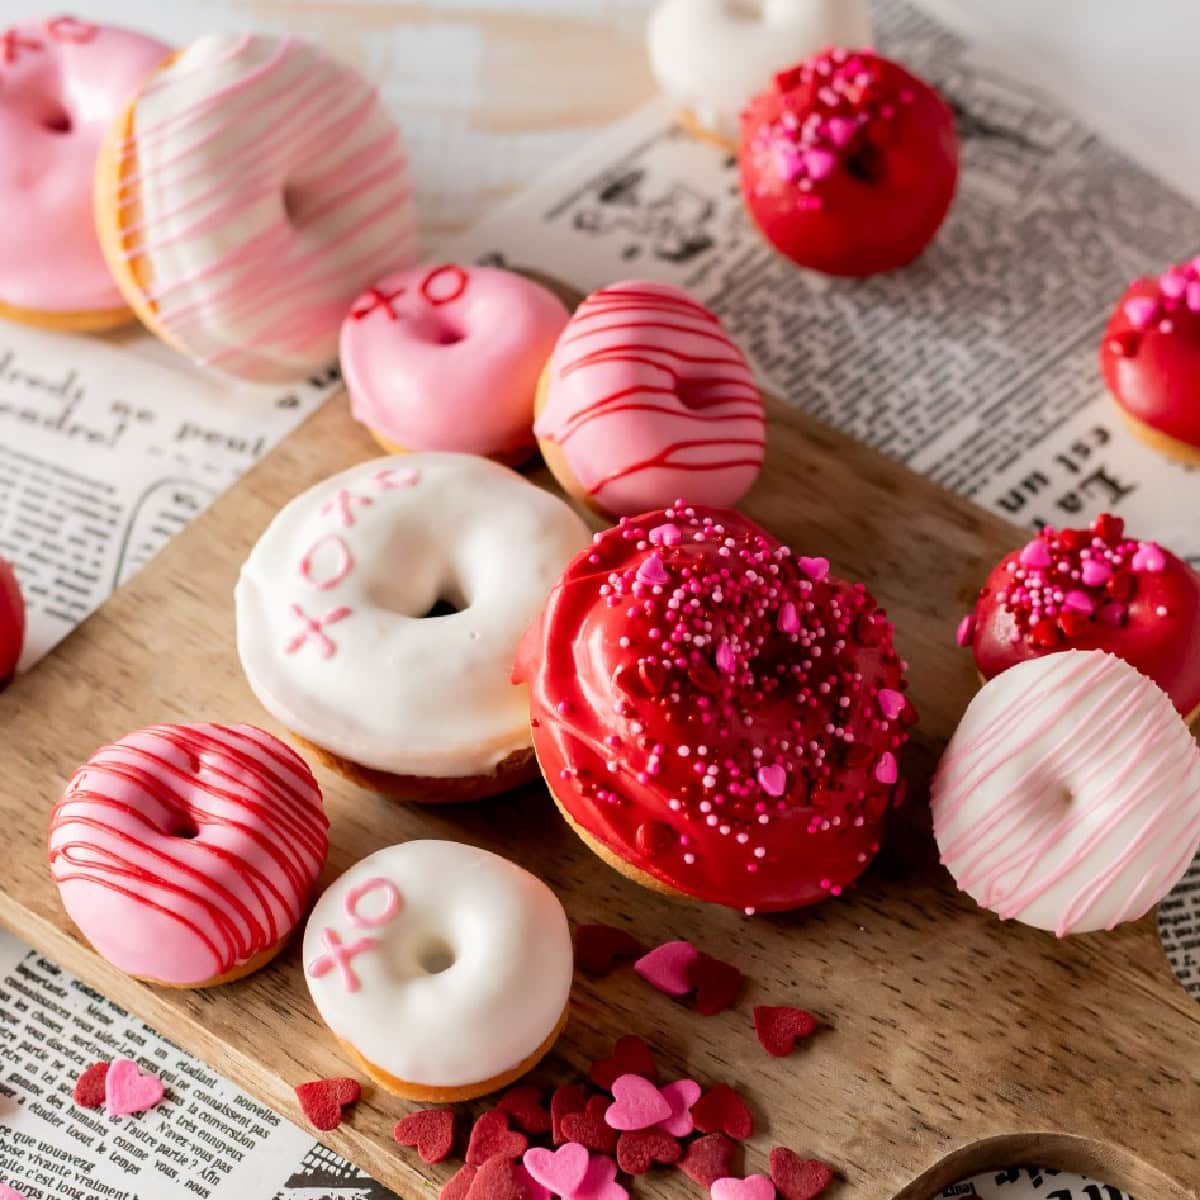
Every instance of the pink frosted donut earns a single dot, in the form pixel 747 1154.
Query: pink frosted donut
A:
pixel 62 83
pixel 186 854
pixel 448 358
pixel 646 398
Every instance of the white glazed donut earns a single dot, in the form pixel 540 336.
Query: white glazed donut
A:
pixel 331 609
pixel 445 969
pixel 711 56
pixel 255 187
pixel 1069 796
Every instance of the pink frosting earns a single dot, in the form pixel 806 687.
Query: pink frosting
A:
pixel 62 84
pixel 448 358
pixel 181 851
pixel 649 399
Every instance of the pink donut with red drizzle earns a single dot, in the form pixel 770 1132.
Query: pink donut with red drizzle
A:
pixel 448 358
pixel 1150 356
pixel 1092 589
pixel 646 397
pixel 186 854
pixel 715 715
pixel 12 622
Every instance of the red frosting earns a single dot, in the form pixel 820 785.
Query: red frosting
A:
pixel 1092 589
pixel 717 711
pixel 848 163
pixel 12 622
pixel 1150 354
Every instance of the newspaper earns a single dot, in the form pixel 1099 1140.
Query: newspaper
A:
pixel 976 366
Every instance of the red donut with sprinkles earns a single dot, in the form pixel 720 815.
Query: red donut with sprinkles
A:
pixel 715 715
pixel 848 163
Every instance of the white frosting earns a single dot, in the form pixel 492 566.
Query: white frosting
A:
pixel 504 933
pixel 368 553
pixel 712 56
pixel 1069 796
pixel 272 186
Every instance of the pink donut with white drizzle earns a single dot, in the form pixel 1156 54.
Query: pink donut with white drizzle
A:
pixel 647 398
pixel 448 358
pixel 62 83
pixel 253 188
pixel 187 854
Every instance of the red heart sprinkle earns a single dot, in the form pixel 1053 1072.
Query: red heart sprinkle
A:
pixel 722 1110
pixel 524 1107
pixel 598 948
pixel 89 1087
pixel 323 1100
pixel 430 1131
pixel 569 1098
pixel 503 1179
pixel 630 1056
pixel 780 1028
pixel 708 1159
pixel 589 1128
pixel 459 1184
pixel 638 1150
pixel 492 1138
pixel 716 983
pixel 798 1178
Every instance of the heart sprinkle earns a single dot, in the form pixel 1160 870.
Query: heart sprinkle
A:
pixel 128 1091
pixel 322 1100
pixel 666 966
pixel 780 1028
pixel 637 1104
pixel 430 1131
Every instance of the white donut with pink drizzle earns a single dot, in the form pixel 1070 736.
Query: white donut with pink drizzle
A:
pixel 646 399
pixel 1069 796
pixel 255 188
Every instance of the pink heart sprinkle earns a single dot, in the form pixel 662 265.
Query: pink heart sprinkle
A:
pixel 652 572
pixel 680 1095
pixel 1036 554
pixel 772 779
pixel 600 1182
pixel 790 164
pixel 561 1170
pixel 1096 572
pixel 637 1104
pixel 886 770
pixel 666 535
pixel 891 702
pixel 965 634
pixel 789 619
pixel 1113 615
pixel 127 1090
pixel 726 659
pixel 1141 311
pixel 819 163
pixel 1193 296
pixel 666 967
pixel 1149 557
pixel 815 568
pixel 1173 284
pixel 840 130
pixel 8 1193
pixel 753 1187
pixel 1079 602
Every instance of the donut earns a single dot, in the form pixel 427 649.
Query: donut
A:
pixel 444 970
pixel 378 616
pixel 248 193
pixel 1150 357
pixel 12 622
pixel 645 397
pixel 717 716
pixel 448 358
pixel 63 82
pixel 186 854
pixel 710 56
pixel 1069 796
pixel 848 163
pixel 1092 589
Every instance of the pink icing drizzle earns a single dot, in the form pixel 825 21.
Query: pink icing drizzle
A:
pixel 314 628
pixel 345 563
pixel 391 903
pixel 340 957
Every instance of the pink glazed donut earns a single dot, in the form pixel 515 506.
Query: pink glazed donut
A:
pixel 448 358
pixel 645 399
pixel 62 83
pixel 186 854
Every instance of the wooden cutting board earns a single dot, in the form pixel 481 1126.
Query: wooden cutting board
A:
pixel 958 1043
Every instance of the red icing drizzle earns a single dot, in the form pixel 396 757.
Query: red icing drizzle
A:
pixel 70 29
pixel 13 42
pixel 443 285
pixel 723 730
pixel 229 784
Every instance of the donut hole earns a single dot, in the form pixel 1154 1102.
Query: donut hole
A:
pixel 182 826
pixel 744 10
pixel 57 120
pixel 435 955
pixel 865 163
pixel 297 207
pixel 442 607
pixel 694 394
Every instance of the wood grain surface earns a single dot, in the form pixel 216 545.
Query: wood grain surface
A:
pixel 957 1042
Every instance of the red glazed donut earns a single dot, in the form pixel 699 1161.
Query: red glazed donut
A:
pixel 1150 357
pixel 1092 589
pixel 715 715
pixel 848 163
pixel 12 622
